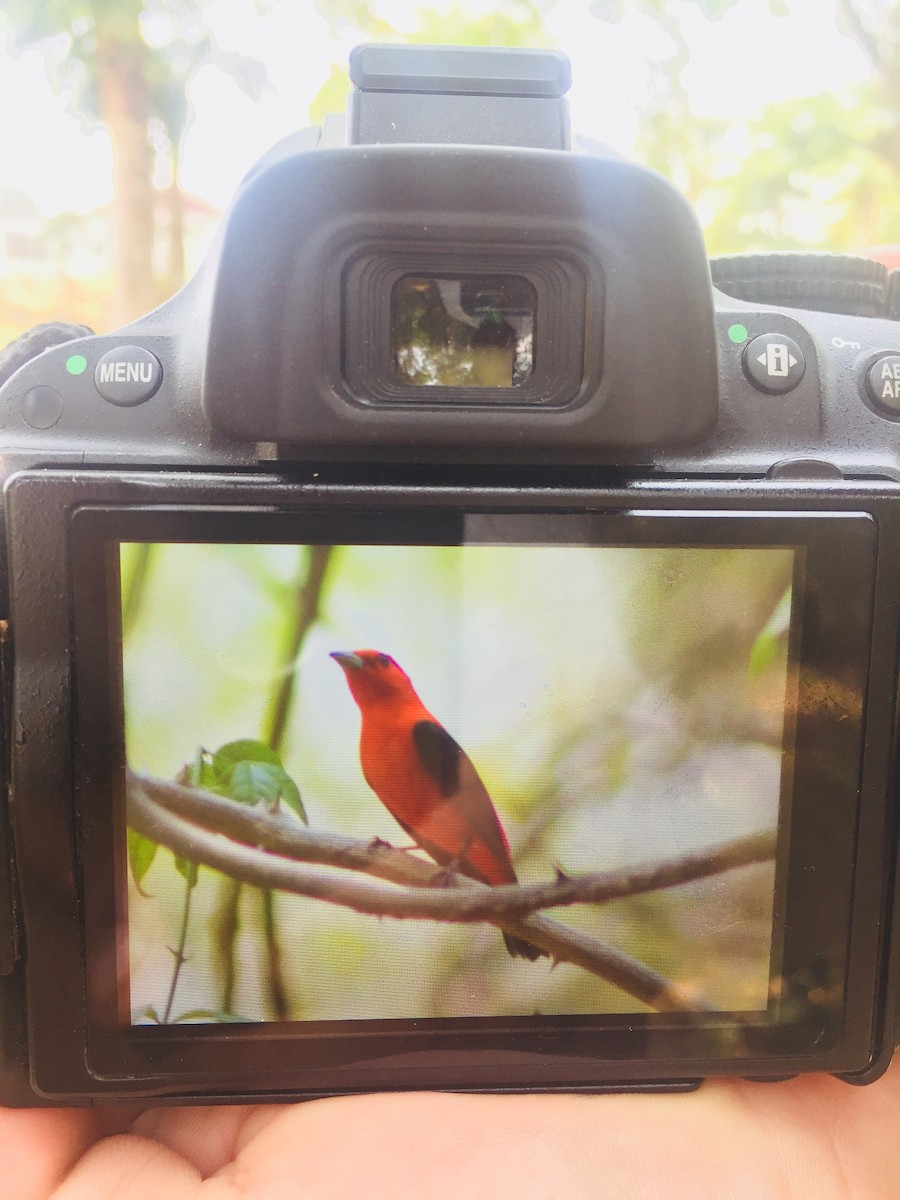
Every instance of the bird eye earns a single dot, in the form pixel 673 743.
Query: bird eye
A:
pixel 382 660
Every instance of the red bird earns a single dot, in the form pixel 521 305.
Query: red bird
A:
pixel 424 779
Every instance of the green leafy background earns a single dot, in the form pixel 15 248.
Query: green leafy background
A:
pixel 622 705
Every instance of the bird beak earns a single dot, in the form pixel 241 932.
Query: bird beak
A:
pixel 350 662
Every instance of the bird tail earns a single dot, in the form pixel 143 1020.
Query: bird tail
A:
pixel 519 948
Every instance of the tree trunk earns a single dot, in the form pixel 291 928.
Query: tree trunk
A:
pixel 125 109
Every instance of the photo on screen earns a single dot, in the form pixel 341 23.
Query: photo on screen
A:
pixel 537 713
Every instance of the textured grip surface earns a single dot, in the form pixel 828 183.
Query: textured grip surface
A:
pixel 34 342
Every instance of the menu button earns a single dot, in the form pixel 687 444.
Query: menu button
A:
pixel 128 375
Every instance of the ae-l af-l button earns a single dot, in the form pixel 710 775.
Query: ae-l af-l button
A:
pixel 883 382
pixel 773 363
pixel 128 375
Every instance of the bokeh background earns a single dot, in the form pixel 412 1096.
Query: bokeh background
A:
pixel 624 705
pixel 128 124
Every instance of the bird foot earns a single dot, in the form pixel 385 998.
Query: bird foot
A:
pixel 445 878
pixel 378 843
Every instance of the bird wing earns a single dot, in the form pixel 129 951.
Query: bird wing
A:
pixel 440 754
pixel 457 780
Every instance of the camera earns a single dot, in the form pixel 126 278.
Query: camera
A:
pixel 453 642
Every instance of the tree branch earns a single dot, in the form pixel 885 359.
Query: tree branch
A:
pixel 305 608
pixel 306 612
pixel 258 827
pixel 864 38
pixel 189 821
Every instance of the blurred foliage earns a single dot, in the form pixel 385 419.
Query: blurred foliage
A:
pixel 813 172
pixel 27 300
pixel 615 701
pixel 820 171
pixel 126 64
pixel 517 23
pixel 829 167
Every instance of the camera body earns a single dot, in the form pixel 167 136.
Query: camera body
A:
pixel 453 358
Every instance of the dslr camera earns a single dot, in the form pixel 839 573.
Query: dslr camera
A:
pixel 453 642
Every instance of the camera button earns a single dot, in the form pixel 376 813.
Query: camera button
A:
pixel 41 407
pixel 883 382
pixel 774 363
pixel 128 375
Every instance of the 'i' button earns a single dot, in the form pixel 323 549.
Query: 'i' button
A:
pixel 128 375
pixel 773 363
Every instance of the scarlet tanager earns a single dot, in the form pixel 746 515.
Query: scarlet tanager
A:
pixel 424 779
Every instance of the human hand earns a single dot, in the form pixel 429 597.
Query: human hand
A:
pixel 811 1137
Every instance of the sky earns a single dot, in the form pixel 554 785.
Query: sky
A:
pixel 739 63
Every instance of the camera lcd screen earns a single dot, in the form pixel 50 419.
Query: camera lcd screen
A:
pixel 463 331
pixel 533 712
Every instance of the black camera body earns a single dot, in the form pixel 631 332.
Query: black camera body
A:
pixel 635 540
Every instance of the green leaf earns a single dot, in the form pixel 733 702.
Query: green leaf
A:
pixel 771 637
pixel 208 1014
pixel 206 776
pixel 265 783
pixel 246 750
pixel 290 794
pixel 141 853
pixel 252 773
pixel 256 782
pixel 246 770
pixel 199 772
pixel 762 653
pixel 187 870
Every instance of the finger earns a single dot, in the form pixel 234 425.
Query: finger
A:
pixel 127 1167
pixel 730 1141
pixel 857 1125
pixel 207 1138
pixel 40 1145
pixel 536 1148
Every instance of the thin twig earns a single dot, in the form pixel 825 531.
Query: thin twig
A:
pixel 190 878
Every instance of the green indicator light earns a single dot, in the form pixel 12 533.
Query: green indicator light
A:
pixel 76 364
pixel 738 334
